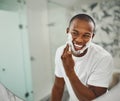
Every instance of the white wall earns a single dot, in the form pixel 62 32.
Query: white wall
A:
pixel 37 15
pixel 58 17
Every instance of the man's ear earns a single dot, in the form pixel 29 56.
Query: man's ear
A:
pixel 67 30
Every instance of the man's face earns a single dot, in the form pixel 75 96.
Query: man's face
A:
pixel 82 32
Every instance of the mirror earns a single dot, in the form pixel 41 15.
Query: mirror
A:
pixel 107 18
pixel 33 33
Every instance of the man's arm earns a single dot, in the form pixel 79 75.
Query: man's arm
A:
pixel 57 90
pixel 82 92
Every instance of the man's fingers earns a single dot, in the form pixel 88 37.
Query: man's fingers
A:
pixel 66 49
pixel 66 52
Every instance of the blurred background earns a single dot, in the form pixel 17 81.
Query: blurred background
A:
pixel 32 30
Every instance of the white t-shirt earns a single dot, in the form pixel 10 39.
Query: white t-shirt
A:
pixel 94 68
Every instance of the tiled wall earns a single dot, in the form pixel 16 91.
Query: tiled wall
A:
pixel 107 17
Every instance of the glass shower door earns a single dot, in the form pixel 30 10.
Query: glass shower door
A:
pixel 15 69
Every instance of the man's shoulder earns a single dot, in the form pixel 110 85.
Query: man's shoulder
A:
pixel 99 50
pixel 60 49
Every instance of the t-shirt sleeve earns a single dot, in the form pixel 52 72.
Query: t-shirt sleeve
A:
pixel 102 74
pixel 58 62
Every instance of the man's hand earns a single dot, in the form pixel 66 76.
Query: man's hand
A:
pixel 67 61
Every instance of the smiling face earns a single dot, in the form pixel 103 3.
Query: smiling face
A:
pixel 82 31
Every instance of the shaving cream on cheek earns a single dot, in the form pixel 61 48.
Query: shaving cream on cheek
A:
pixel 71 46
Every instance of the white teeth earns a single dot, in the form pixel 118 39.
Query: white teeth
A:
pixel 78 45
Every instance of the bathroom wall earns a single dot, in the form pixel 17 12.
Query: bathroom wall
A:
pixel 37 17
pixel 57 24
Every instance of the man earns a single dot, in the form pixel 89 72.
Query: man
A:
pixel 83 66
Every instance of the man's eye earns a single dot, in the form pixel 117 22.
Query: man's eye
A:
pixel 74 33
pixel 86 36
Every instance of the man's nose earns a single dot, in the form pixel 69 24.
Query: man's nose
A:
pixel 79 39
